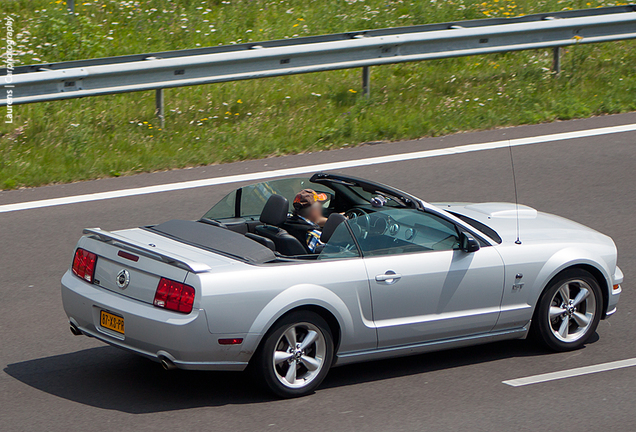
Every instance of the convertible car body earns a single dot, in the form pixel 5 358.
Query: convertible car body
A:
pixel 396 276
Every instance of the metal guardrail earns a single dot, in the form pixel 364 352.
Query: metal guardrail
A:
pixel 155 71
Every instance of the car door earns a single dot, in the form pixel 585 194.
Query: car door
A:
pixel 423 287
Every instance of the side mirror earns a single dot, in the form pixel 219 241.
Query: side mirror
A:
pixel 468 243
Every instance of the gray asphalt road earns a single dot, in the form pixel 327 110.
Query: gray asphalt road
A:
pixel 52 381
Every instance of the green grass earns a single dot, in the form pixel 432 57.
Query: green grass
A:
pixel 116 135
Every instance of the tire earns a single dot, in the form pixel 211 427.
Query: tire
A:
pixel 568 311
pixel 288 366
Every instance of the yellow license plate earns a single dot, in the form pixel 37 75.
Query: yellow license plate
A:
pixel 112 322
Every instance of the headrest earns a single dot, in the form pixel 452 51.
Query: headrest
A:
pixel 335 219
pixel 275 210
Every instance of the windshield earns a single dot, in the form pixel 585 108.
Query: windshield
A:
pixel 380 200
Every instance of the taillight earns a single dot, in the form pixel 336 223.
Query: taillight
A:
pixel 84 264
pixel 174 296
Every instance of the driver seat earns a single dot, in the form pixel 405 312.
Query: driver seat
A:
pixel 274 214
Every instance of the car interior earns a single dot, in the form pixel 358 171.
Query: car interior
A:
pixel 379 220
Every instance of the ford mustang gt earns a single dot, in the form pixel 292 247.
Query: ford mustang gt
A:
pixel 391 275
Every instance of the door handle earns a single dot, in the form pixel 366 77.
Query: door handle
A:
pixel 390 277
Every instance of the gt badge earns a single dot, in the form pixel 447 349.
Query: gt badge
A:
pixel 123 279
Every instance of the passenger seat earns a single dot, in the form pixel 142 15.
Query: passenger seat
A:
pixel 274 215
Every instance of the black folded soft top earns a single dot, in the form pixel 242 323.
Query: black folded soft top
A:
pixel 215 239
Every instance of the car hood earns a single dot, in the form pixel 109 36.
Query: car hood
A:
pixel 534 226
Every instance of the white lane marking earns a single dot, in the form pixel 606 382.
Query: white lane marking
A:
pixel 603 367
pixel 314 168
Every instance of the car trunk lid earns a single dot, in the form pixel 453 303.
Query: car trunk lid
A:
pixel 132 262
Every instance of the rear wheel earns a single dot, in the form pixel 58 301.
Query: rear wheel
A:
pixel 295 355
pixel 568 311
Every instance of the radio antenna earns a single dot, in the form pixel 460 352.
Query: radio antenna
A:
pixel 514 180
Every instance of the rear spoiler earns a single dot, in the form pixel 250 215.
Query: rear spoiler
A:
pixel 143 249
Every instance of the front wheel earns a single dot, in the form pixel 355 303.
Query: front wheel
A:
pixel 568 311
pixel 295 355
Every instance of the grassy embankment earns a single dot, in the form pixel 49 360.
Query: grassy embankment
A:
pixel 115 135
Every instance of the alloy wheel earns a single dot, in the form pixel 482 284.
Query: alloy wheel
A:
pixel 299 355
pixel 572 310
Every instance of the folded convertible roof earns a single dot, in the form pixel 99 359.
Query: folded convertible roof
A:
pixel 215 239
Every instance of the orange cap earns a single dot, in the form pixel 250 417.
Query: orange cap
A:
pixel 307 197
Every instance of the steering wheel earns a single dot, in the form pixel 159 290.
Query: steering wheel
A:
pixel 361 218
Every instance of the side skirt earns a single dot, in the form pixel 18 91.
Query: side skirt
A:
pixel 402 351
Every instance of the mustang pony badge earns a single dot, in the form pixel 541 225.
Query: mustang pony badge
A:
pixel 123 279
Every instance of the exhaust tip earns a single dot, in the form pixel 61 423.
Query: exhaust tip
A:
pixel 76 331
pixel 167 364
pixel 166 360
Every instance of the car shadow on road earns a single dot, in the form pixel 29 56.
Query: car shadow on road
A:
pixel 108 378
pixel 436 361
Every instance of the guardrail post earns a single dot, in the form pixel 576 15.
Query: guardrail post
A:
pixel 366 81
pixel 70 5
pixel 159 107
pixel 556 60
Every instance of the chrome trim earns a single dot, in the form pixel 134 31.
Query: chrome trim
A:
pixel 123 279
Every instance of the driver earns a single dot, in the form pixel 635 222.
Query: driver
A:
pixel 308 208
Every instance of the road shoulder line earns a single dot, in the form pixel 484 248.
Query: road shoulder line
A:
pixel 263 175
pixel 569 373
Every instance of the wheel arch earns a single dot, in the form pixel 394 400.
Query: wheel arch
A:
pixel 312 298
pixel 332 321
pixel 572 257
pixel 602 281
pixel 597 273
pixel 541 328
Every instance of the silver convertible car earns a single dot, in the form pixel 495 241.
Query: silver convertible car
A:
pixel 392 276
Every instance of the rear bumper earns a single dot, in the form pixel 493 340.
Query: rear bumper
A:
pixel 151 332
